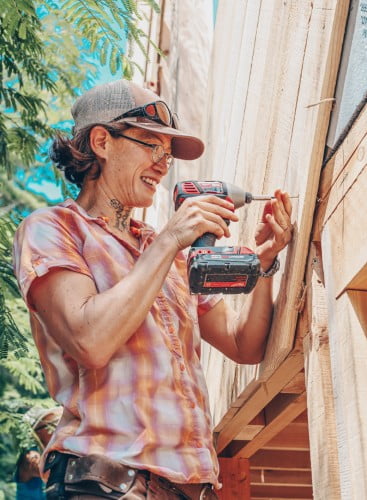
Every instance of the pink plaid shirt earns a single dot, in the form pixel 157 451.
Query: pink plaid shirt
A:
pixel 148 408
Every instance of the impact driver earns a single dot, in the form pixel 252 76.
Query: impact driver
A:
pixel 211 269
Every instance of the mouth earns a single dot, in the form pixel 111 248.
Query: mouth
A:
pixel 149 181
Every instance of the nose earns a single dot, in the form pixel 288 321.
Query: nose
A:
pixel 163 165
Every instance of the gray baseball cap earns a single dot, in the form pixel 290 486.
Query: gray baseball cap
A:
pixel 103 103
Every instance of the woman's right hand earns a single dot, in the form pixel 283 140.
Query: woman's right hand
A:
pixel 199 215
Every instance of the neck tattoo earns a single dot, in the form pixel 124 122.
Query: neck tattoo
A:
pixel 122 215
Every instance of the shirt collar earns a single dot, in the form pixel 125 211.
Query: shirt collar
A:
pixel 145 229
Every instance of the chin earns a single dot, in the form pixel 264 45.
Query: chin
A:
pixel 144 203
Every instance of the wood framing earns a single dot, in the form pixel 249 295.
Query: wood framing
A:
pixel 235 478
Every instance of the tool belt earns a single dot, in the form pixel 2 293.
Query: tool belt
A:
pixel 98 475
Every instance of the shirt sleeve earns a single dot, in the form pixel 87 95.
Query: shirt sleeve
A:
pixel 207 302
pixel 44 240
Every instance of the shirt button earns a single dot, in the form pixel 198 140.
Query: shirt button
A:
pixel 182 367
pixel 191 404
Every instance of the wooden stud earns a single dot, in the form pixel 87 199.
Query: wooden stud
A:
pixel 235 478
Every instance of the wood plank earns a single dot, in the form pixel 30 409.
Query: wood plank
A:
pixel 235 478
pixel 352 169
pixel 348 242
pixel 280 477
pixel 265 392
pixel 320 401
pixel 358 299
pixel 229 32
pixel 284 416
pixel 348 350
pixel 333 169
pixel 293 437
pixel 301 419
pixel 359 281
pixel 281 492
pixel 281 460
pixel 296 385
pixel 253 428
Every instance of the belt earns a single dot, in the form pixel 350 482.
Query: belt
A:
pixel 186 491
pixel 101 476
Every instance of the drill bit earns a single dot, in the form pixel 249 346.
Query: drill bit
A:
pixel 261 197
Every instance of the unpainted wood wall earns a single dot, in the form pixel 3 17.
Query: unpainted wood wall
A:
pixel 272 80
pixel 273 72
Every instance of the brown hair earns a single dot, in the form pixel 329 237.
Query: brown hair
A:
pixel 75 156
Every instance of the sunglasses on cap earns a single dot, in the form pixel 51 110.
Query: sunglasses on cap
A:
pixel 157 111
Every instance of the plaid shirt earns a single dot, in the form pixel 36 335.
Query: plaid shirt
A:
pixel 148 408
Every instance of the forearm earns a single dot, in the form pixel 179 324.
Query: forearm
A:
pixel 254 322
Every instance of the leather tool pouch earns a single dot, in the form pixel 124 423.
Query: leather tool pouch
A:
pixel 93 475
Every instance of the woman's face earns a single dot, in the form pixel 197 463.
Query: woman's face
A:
pixel 129 169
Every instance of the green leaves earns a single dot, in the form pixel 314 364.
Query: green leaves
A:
pixel 10 335
pixel 28 373
pixel 108 25
pixel 22 76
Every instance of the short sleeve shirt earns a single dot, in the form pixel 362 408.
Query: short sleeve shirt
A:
pixel 148 408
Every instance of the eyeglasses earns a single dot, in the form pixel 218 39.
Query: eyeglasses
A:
pixel 157 111
pixel 158 152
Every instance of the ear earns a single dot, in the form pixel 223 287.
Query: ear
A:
pixel 99 139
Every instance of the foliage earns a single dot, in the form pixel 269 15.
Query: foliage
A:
pixel 107 25
pixel 11 336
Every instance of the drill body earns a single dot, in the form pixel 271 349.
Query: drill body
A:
pixel 211 269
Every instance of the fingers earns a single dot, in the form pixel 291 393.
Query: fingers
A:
pixel 199 215
pixel 282 210
pixel 287 203
pixel 214 216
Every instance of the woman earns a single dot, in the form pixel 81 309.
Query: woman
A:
pixel 117 330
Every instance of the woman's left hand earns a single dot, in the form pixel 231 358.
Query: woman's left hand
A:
pixel 274 232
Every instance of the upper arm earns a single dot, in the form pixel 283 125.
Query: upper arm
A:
pixel 58 299
pixel 45 241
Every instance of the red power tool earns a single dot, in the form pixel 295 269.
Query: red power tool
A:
pixel 212 269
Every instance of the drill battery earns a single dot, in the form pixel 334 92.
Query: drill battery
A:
pixel 226 270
